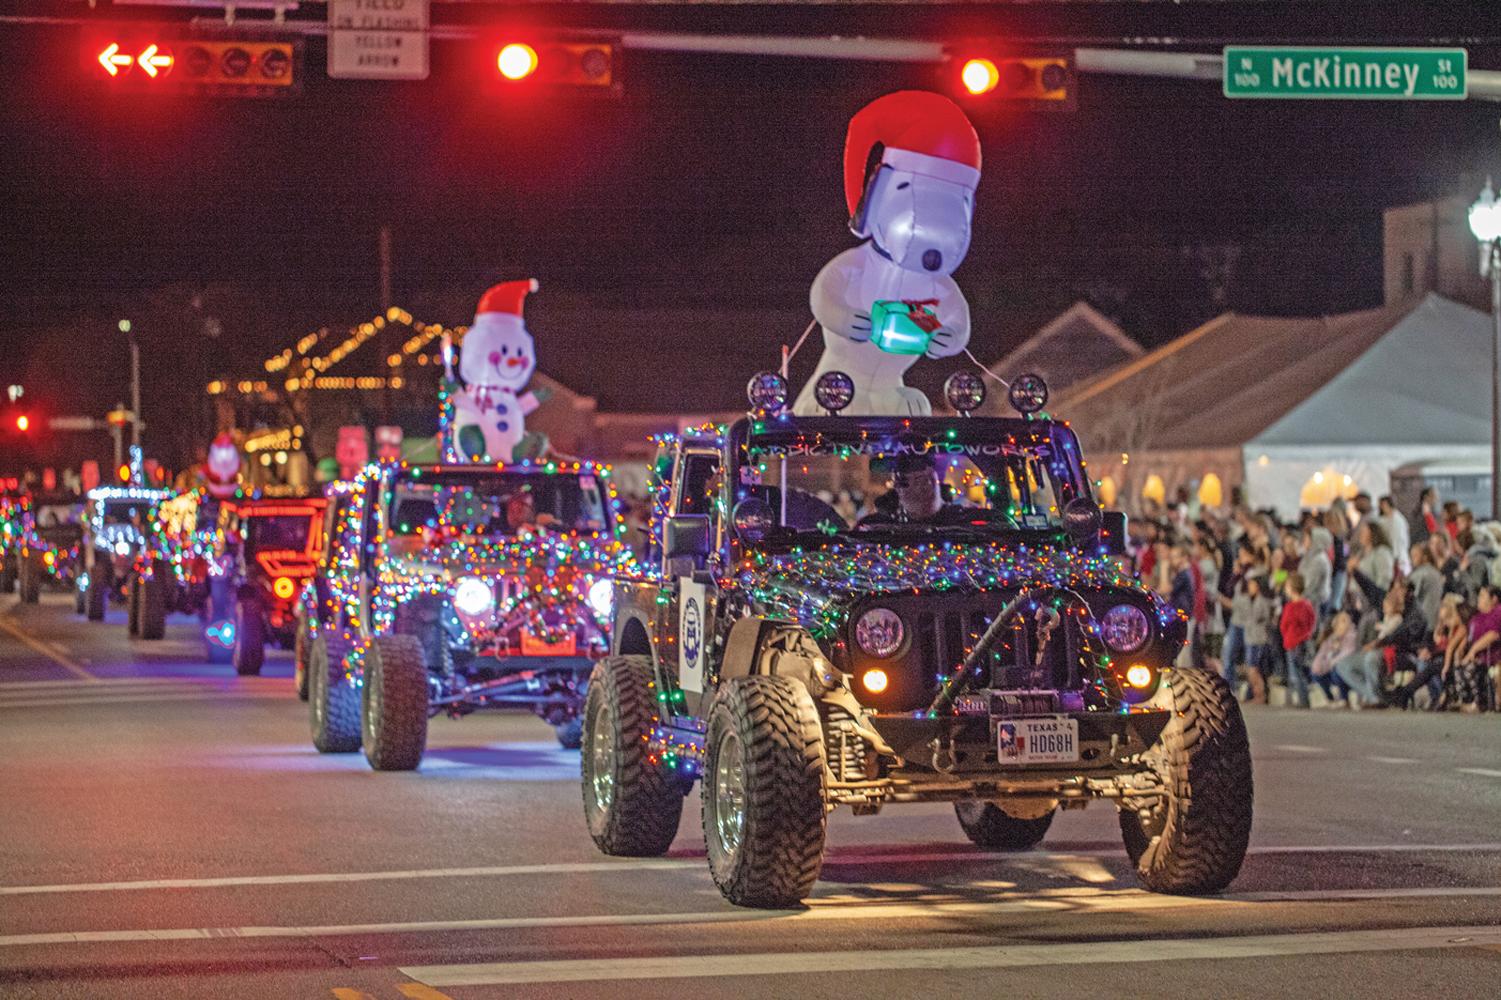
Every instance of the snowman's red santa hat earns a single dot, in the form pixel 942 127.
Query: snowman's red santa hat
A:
pixel 914 131
pixel 506 297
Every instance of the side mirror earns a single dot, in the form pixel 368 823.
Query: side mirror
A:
pixel 1083 521
pixel 687 537
pixel 1113 532
pixel 753 520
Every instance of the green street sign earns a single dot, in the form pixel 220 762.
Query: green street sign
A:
pixel 1362 74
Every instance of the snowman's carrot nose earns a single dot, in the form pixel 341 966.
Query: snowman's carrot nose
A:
pixel 513 362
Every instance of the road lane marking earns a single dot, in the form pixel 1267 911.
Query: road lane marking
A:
pixel 113 683
pixel 693 864
pixel 419 991
pixel 1298 748
pixel 36 645
pixel 344 993
pixel 559 868
pixel 136 698
pixel 1484 772
pixel 947 959
pixel 1393 760
pixel 1080 899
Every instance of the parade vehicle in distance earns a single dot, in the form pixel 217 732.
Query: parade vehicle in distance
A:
pixel 43 539
pixel 451 588
pixel 238 563
pixel 116 523
pixel 992 654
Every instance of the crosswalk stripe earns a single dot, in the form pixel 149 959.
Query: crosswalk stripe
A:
pixel 887 855
pixel 949 959
pixel 931 907
pixel 419 991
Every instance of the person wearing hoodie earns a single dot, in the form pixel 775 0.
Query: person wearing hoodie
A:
pixel 1475 565
pixel 1340 642
pixel 1314 568
pixel 1427 584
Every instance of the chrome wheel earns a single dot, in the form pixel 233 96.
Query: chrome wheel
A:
pixel 602 758
pixel 729 793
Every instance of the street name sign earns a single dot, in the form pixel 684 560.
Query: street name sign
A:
pixel 1356 74
pixel 377 39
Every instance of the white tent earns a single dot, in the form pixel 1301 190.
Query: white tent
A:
pixel 1296 411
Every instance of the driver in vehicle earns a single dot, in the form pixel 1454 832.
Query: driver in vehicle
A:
pixel 918 492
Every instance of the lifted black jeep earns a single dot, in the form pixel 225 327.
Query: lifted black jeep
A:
pixel 990 652
pixel 452 588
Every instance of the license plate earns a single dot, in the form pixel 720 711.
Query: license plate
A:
pixel 1037 741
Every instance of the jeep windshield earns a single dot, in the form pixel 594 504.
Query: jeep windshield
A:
pixel 448 503
pixel 893 481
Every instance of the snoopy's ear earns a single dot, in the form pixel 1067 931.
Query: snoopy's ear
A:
pixel 858 221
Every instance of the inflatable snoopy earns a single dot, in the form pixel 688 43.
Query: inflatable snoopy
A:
pixel 496 362
pixel 911 164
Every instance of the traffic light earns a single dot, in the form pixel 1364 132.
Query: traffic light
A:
pixel 1046 80
pixel 229 64
pixel 572 64
pixel 23 423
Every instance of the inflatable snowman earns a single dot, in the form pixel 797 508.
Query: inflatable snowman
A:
pixel 221 469
pixel 911 164
pixel 496 362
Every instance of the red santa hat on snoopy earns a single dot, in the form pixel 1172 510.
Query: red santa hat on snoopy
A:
pixel 915 131
pixel 506 297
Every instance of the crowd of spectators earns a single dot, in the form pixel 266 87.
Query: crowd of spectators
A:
pixel 1359 605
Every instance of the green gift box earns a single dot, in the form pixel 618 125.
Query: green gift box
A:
pixel 899 327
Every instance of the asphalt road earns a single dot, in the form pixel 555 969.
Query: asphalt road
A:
pixel 167 830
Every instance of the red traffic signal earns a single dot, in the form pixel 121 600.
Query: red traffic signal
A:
pixel 577 64
pixel 1043 79
pixel 23 423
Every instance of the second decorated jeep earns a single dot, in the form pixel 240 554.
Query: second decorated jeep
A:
pixel 450 588
pixel 971 639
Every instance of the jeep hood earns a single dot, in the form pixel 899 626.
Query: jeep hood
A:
pixel 817 587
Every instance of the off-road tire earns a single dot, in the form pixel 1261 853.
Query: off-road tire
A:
pixel 333 706
pixel 394 712
pixel 95 598
pixel 634 809
pixel 29 580
pixel 570 734
pixel 776 730
pixel 151 612
pixel 80 605
pixel 1197 843
pixel 301 647
pixel 249 651
pixel 8 572
pixel 991 827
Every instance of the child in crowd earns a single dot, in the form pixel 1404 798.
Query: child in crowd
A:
pixel 1297 625
pixel 1338 644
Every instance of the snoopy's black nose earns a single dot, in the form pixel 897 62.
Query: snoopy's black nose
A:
pixel 932 260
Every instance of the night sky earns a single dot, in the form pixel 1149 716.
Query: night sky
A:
pixel 712 182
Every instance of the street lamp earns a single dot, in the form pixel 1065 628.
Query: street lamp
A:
pixel 1485 223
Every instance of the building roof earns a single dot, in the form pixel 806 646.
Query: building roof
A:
pixel 1072 347
pixel 1413 372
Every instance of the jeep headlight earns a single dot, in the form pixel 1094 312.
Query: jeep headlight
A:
pixel 1125 628
pixel 602 597
pixel 473 597
pixel 879 632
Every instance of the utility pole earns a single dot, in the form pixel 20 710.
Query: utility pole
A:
pixel 135 387
pixel 387 338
